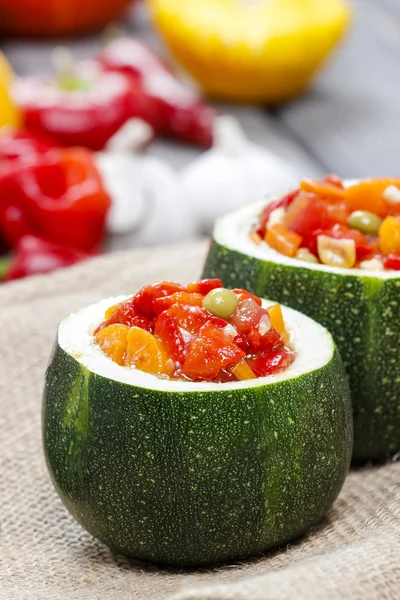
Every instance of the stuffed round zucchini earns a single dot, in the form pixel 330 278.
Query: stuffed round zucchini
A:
pixel 195 425
pixel 332 251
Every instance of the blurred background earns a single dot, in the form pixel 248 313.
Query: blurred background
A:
pixel 219 101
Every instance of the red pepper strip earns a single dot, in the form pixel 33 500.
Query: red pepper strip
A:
pixel 177 110
pixel 87 112
pixel 22 145
pixel 59 197
pixel 281 203
pixel 35 256
pixel 392 261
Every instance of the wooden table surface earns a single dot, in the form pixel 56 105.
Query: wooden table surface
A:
pixel 348 122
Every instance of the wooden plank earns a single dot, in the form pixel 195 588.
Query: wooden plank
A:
pixel 350 119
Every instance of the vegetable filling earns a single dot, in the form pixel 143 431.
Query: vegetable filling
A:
pixel 203 332
pixel 325 222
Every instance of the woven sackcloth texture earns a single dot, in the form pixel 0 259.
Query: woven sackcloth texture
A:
pixel 44 553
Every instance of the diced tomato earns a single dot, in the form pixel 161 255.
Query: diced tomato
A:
pixel 266 213
pixel 283 240
pixel 125 313
pixel 247 315
pixel 210 352
pixel 165 302
pixel 334 180
pixel 192 318
pixel 306 214
pixel 368 195
pixel 144 299
pixel 323 189
pixel 392 262
pixel 243 294
pixel 204 286
pixel 338 212
pixel 271 362
pixel 167 330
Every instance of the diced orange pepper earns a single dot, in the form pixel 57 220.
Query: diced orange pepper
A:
pixel 188 298
pixel 146 353
pixel 368 195
pixel 389 235
pixel 322 189
pixel 283 240
pixel 339 212
pixel 277 321
pixel 242 371
pixel 113 342
pixel 110 311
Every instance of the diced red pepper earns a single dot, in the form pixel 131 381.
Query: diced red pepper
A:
pixel 127 314
pixel 271 362
pixel 192 318
pixel 266 213
pixel 166 329
pixel 244 294
pixel 163 303
pixel 204 286
pixel 392 262
pixel 271 340
pixel 145 298
pixel 334 180
pixel 208 353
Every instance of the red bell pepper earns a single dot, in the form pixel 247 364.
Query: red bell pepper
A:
pixel 22 145
pixel 177 110
pixel 35 256
pixel 85 108
pixel 58 196
pixel 392 261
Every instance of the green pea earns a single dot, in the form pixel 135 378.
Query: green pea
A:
pixel 364 221
pixel 221 303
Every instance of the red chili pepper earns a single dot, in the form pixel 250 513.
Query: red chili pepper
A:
pixel 22 145
pixel 177 110
pixel 392 261
pixel 58 196
pixel 35 256
pixel 85 109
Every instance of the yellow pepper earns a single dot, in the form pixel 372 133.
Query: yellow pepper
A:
pixel 9 114
pixel 251 50
pixel 389 235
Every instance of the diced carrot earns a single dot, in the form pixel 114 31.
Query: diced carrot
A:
pixel 283 240
pixel 113 342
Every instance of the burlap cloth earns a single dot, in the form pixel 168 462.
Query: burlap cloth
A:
pixel 45 555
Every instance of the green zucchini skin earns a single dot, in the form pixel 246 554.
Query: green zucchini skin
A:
pixel 195 478
pixel 362 314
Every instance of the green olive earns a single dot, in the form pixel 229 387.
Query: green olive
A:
pixel 364 221
pixel 221 303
